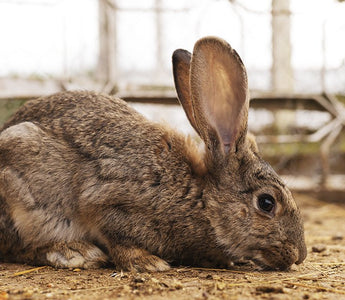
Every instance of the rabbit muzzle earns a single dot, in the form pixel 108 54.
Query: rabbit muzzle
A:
pixel 279 257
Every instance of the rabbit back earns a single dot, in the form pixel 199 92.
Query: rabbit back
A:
pixel 80 181
pixel 95 124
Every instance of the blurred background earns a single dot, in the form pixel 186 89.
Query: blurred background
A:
pixel 294 51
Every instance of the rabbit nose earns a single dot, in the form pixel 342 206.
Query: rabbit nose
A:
pixel 302 253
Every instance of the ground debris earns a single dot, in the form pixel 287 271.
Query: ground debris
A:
pixel 76 270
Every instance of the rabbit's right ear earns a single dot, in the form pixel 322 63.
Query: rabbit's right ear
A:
pixel 219 95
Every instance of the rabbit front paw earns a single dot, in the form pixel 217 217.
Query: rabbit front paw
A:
pixel 74 255
pixel 136 259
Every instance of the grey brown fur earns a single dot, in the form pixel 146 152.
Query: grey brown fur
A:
pixel 85 180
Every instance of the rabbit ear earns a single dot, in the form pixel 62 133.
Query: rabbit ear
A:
pixel 219 93
pixel 181 69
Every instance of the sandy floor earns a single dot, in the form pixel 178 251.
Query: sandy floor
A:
pixel 321 276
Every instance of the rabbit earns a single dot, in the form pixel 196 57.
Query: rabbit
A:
pixel 86 181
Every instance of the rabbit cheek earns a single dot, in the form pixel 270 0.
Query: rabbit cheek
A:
pixel 232 229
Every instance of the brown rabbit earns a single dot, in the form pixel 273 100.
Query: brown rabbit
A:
pixel 86 180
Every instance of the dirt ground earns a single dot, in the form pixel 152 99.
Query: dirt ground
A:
pixel 321 276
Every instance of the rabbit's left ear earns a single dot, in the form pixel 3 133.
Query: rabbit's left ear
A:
pixel 181 68
pixel 219 93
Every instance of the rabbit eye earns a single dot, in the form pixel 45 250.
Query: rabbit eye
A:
pixel 266 203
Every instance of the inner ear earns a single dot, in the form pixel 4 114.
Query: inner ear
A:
pixel 219 91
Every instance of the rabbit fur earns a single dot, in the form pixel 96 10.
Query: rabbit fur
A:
pixel 87 181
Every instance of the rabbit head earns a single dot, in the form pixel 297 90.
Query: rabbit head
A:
pixel 253 213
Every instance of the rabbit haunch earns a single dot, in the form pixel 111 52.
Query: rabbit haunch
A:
pixel 87 181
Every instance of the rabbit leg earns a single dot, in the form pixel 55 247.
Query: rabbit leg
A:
pixel 76 254
pixel 33 227
pixel 10 241
pixel 136 259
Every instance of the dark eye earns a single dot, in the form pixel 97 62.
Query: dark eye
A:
pixel 266 203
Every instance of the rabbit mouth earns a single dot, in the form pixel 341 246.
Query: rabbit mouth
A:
pixel 252 264
pixel 263 266
pixel 268 260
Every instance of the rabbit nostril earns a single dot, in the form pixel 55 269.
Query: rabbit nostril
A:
pixel 302 254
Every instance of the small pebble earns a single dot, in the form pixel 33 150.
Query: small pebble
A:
pixel 220 285
pixel 154 280
pixel 318 248
pixel 49 295
pixel 177 285
pixel 28 294
pixel 337 237
pixel 269 289
pixel 294 268
pixel 139 279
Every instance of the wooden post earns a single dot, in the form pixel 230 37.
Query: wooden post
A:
pixel 159 39
pixel 107 60
pixel 282 73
